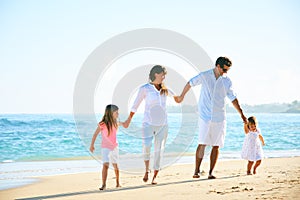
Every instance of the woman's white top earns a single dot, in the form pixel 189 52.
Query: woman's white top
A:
pixel 155 105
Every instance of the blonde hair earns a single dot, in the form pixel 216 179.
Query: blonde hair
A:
pixel 157 69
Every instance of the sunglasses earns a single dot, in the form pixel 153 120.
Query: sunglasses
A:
pixel 225 70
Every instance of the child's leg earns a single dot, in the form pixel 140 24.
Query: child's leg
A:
pixel 250 163
pixel 256 165
pixel 104 175
pixel 117 174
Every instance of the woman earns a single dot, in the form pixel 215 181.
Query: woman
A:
pixel 155 123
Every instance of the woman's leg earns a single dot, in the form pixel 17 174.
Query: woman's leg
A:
pixel 147 162
pixel 147 143
pixel 161 135
pixel 154 177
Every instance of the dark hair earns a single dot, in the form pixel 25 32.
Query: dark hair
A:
pixel 157 69
pixel 108 119
pixel 223 61
pixel 252 120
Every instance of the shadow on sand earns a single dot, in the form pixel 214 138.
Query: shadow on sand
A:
pixel 119 189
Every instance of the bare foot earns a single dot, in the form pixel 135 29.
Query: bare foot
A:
pixel 154 177
pixel 118 185
pixel 154 181
pixel 249 173
pixel 145 179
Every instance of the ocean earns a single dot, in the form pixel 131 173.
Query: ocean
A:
pixel 46 144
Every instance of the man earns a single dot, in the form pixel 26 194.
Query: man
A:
pixel 216 86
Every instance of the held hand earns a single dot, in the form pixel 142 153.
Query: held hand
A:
pixel 92 148
pixel 178 99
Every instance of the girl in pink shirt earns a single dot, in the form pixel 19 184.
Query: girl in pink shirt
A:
pixel 108 126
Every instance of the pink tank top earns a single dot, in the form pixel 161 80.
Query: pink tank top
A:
pixel 108 141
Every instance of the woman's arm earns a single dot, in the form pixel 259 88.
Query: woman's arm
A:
pixel 139 98
pixel 179 99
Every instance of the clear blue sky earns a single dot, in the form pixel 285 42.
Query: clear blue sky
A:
pixel 44 43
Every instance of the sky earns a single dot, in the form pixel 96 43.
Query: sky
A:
pixel 43 45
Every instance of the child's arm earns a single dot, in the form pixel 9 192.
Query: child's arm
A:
pixel 127 122
pixel 261 139
pixel 122 124
pixel 246 129
pixel 97 131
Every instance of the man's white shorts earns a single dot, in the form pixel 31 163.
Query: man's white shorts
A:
pixel 212 133
pixel 108 154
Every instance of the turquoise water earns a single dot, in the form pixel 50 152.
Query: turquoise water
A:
pixel 42 145
pixel 28 137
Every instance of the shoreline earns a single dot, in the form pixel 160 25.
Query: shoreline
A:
pixel 223 155
pixel 274 179
pixel 18 174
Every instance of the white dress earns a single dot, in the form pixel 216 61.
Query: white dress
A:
pixel 252 147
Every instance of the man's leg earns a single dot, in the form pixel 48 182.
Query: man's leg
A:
pixel 213 160
pixel 198 159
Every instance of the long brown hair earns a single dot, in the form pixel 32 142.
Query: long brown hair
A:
pixel 108 119
pixel 157 69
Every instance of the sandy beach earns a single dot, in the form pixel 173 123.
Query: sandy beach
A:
pixel 276 178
